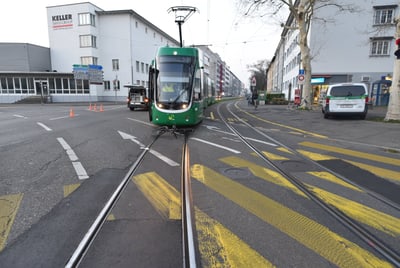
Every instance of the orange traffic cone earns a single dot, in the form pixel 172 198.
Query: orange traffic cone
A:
pixel 90 107
pixel 101 108
pixel 71 113
pixel 94 107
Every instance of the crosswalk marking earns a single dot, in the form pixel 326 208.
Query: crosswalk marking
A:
pixel 9 205
pixel 373 157
pixel 218 246
pixel 311 234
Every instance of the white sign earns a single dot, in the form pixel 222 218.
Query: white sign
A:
pixel 253 81
pixel 300 79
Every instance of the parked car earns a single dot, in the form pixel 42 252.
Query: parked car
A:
pixel 349 99
pixel 137 97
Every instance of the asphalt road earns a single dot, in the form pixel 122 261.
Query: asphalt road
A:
pixel 60 163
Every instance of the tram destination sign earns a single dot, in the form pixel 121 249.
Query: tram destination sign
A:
pixel 93 73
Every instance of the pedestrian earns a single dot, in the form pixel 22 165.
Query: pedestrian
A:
pixel 254 98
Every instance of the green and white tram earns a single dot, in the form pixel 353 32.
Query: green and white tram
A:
pixel 177 98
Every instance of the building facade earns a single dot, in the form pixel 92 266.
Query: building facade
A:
pixel 115 47
pixel 345 47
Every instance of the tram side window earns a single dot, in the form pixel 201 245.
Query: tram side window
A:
pixel 31 86
pixel 3 84
pixel 58 85
pixel 197 87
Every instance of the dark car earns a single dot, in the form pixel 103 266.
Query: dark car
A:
pixel 137 97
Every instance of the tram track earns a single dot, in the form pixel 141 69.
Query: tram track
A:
pixel 374 242
pixel 189 248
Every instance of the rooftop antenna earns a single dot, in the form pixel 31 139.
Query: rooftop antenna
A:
pixel 182 13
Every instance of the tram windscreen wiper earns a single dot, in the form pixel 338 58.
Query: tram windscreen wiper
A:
pixel 179 96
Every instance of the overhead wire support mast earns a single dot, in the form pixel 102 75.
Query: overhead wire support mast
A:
pixel 182 13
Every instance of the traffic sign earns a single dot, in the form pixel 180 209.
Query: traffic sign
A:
pixel 253 81
pixel 300 78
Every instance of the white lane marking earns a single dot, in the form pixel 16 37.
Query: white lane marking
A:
pixel 61 117
pixel 142 122
pixel 79 169
pixel 20 116
pixel 162 157
pixel 167 160
pixel 232 134
pixel 44 126
pixel 216 145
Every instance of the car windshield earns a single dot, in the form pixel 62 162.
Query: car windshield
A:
pixel 346 91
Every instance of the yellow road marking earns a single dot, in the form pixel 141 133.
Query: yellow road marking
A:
pixel 283 149
pixel 263 173
pixel 272 156
pixel 364 214
pixel 380 172
pixel 311 234
pixel 68 189
pixel 161 195
pixel 316 156
pixel 212 115
pixel 284 126
pixel 9 205
pixel 355 210
pixel 332 178
pixel 373 157
pixel 218 246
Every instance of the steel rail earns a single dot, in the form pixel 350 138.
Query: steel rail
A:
pixel 188 227
pixel 94 229
pixel 371 240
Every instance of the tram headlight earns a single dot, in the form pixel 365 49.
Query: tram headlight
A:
pixel 160 105
pixel 184 106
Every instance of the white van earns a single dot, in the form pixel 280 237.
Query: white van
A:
pixel 346 99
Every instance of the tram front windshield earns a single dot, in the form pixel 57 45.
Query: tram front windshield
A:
pixel 175 79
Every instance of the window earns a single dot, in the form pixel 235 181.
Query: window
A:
pixel 115 64
pixel 137 66
pixel 383 15
pixel 142 64
pixel 380 47
pixel 88 60
pixel 107 85
pixel 86 19
pixel 3 83
pixel 87 41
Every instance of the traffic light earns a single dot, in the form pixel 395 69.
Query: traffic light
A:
pixel 397 52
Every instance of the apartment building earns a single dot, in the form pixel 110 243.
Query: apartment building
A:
pixel 345 46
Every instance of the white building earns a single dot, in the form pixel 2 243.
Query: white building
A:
pixel 122 42
pixel 117 46
pixel 345 47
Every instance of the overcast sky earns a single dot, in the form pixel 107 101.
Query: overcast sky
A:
pixel 238 40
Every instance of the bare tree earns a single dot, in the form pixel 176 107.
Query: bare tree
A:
pixel 302 11
pixel 393 111
pixel 258 70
